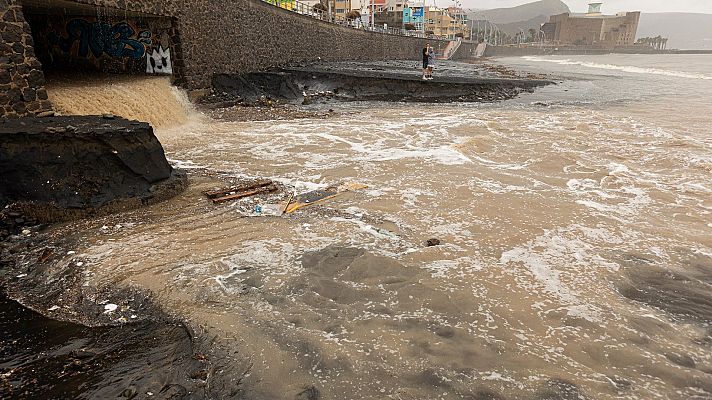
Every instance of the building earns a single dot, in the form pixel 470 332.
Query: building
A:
pixel 398 13
pixel 414 14
pixel 448 22
pixel 340 8
pixel 390 19
pixel 593 28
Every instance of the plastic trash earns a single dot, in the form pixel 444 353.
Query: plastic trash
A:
pixel 269 209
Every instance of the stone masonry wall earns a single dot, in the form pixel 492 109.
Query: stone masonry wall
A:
pixel 21 79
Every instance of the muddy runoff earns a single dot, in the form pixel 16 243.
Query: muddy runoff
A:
pixel 558 226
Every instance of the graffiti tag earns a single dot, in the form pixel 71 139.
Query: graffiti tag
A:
pixel 118 40
pixel 159 62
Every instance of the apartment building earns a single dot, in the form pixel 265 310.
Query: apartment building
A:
pixel 446 22
pixel 593 28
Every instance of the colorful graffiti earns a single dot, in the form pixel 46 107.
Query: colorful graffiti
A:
pixel 113 45
pixel 118 40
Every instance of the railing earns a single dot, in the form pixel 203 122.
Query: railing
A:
pixel 310 11
pixel 452 48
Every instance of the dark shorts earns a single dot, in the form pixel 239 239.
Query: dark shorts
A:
pixel 425 63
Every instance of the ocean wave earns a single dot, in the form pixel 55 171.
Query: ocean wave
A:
pixel 624 68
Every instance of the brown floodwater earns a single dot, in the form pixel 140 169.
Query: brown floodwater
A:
pixel 575 228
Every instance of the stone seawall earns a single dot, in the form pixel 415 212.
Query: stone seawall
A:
pixel 208 37
pixel 21 79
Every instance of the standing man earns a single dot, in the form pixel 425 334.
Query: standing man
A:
pixel 431 61
pixel 426 61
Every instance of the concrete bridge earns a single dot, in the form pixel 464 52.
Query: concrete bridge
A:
pixel 189 40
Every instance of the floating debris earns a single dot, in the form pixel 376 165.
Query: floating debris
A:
pixel 238 192
pixel 269 209
pixel 432 242
pixel 318 196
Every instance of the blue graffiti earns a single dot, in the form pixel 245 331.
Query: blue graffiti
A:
pixel 102 38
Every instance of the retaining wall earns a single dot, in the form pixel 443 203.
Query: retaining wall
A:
pixel 21 79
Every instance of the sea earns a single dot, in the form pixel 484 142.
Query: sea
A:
pixel 574 222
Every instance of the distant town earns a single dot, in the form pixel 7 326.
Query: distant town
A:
pixel 591 29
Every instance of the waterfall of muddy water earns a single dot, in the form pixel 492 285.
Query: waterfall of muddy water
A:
pixel 149 99
pixel 576 229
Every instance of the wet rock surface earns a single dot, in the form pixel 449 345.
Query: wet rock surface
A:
pixel 79 162
pixel 387 81
pixel 64 339
pixel 44 358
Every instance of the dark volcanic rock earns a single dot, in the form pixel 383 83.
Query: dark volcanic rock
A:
pixel 251 87
pixel 432 242
pixel 682 360
pixel 44 358
pixel 79 162
pixel 340 81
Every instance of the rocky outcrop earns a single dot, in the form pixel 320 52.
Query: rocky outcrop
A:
pixel 337 82
pixel 63 167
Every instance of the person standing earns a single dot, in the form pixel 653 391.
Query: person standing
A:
pixel 431 61
pixel 426 61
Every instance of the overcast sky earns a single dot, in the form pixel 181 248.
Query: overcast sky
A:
pixel 609 6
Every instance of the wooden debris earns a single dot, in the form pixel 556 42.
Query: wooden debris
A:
pixel 246 193
pixel 318 196
pixel 212 194
pixel 289 200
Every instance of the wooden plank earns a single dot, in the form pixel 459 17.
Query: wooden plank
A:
pixel 236 196
pixel 237 189
pixel 289 200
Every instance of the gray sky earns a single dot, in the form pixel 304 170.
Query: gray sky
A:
pixel 609 6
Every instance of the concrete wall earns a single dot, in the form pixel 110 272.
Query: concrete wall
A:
pixel 21 79
pixel 507 51
pixel 579 31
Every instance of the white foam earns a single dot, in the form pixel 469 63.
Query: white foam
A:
pixel 186 164
pixel 301 186
pixel 442 155
pixel 558 261
pixel 624 68
pixel 440 268
pixel 370 229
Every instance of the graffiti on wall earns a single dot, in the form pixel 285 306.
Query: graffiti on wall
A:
pixel 159 62
pixel 108 45
pixel 117 40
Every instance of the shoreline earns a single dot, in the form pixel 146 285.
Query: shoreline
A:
pixel 101 332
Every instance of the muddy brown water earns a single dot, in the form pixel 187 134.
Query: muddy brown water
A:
pixel 576 239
